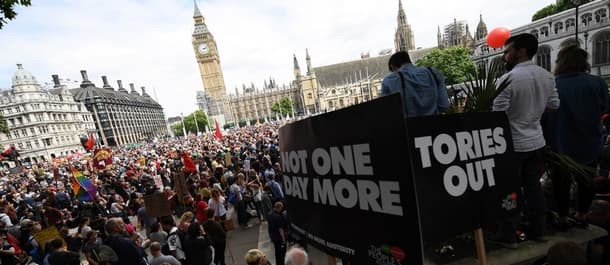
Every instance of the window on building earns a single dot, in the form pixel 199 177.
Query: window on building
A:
pixel 570 24
pixel 20 145
pixel 28 145
pixel 586 19
pixel 544 31
pixel 558 27
pixel 47 142
pixel 600 15
pixel 36 143
pixel 16 133
pixel 24 132
pixel 601 48
pixel 32 131
pixel 543 57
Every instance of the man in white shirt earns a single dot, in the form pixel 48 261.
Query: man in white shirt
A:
pixel 531 92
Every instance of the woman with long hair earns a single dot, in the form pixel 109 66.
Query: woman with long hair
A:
pixel 217 203
pixel 575 129
pixel 198 246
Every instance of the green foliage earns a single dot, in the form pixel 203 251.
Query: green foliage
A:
pixel 454 63
pixel 480 88
pixel 3 125
pixel 7 10
pixel 553 9
pixel 282 107
pixel 189 123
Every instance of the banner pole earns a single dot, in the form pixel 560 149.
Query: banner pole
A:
pixel 480 244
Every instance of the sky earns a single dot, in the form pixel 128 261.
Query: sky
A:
pixel 148 42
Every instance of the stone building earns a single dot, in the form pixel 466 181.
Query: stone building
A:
pixel 121 117
pixel 43 123
pixel 557 31
pixel 455 34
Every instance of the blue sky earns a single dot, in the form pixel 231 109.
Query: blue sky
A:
pixel 148 42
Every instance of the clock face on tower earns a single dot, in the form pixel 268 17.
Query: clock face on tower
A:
pixel 203 48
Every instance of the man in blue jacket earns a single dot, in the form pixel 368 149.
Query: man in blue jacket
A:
pixel 422 89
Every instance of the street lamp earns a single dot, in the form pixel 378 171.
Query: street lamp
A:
pixel 183 127
pixel 576 3
pixel 196 123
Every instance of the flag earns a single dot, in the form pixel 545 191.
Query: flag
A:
pixel 83 188
pixel 6 152
pixel 217 133
pixel 189 165
pixel 102 158
pixel 90 142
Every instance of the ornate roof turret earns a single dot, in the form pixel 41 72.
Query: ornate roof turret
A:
pixel 481 32
pixel 197 13
pixel 23 77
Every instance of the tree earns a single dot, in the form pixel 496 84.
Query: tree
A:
pixel 3 125
pixel 282 107
pixel 553 9
pixel 7 11
pixel 189 123
pixel 454 63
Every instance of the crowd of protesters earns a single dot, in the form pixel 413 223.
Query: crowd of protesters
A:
pixel 235 172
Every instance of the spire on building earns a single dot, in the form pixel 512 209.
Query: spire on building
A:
pixel 481 32
pixel 439 38
pixel 403 38
pixel 196 13
pixel 308 59
pixel 297 69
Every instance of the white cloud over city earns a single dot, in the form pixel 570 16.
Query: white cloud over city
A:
pixel 148 42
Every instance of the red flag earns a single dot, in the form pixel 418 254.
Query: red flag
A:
pixel 217 133
pixel 189 165
pixel 7 152
pixel 90 143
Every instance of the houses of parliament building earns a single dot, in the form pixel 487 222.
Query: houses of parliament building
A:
pixel 313 90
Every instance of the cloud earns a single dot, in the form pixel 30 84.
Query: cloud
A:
pixel 149 42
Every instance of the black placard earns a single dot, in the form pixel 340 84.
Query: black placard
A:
pixel 349 186
pixel 465 171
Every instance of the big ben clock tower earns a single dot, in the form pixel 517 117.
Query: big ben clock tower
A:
pixel 208 60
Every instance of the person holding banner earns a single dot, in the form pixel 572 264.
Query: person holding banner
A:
pixel 530 93
pixel 422 89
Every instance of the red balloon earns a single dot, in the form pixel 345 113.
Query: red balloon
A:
pixel 497 37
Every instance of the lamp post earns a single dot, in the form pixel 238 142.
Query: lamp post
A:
pixel 196 122
pixel 183 127
pixel 576 3
pixel 586 39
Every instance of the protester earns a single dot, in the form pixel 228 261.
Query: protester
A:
pixel 277 224
pixel 218 237
pixel 197 247
pixel 422 89
pixel 158 258
pixel 256 257
pixel 125 248
pixel 575 129
pixel 531 91
pixel 296 256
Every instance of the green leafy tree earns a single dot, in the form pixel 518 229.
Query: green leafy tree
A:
pixel 189 123
pixel 3 125
pixel 7 10
pixel 553 9
pixel 282 107
pixel 454 63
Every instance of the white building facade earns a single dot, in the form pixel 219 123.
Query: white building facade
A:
pixel 42 123
pixel 559 30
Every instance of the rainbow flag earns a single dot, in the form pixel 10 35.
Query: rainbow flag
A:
pixel 83 188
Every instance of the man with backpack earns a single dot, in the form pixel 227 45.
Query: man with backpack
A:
pixel 175 237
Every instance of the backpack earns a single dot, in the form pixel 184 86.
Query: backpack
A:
pixel 165 247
